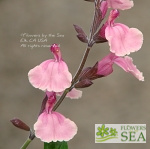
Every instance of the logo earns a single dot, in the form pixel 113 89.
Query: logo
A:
pixel 120 133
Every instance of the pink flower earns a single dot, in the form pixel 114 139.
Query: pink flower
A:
pixel 120 4
pixel 105 66
pixel 51 75
pixel 53 126
pixel 122 39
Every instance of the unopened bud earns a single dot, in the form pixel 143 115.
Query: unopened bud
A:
pixel 90 73
pixel 18 123
pixel 103 8
pixel 83 83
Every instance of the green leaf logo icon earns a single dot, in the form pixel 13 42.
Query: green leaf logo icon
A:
pixel 105 133
pixel 102 131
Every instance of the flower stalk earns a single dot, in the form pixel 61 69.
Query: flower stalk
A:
pixel 28 141
pixel 75 78
pixel 25 145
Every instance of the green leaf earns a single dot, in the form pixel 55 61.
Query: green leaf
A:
pixel 56 145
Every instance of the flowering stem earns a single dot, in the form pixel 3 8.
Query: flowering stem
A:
pixel 61 99
pixel 74 78
pixel 28 141
pixel 25 145
pixel 84 58
pixel 81 65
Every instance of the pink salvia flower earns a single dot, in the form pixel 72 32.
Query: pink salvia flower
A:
pixel 51 75
pixel 105 66
pixel 120 4
pixel 53 126
pixel 122 39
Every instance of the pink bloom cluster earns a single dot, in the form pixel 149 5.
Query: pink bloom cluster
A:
pixel 53 77
pixel 121 39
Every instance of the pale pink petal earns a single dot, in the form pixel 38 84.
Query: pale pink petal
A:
pixel 126 63
pixel 120 4
pixel 51 76
pixel 134 39
pixel 38 76
pixel 73 94
pixel 122 39
pixel 54 127
pixel 61 77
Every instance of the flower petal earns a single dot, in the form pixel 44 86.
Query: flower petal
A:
pixel 127 65
pixel 54 127
pixel 51 76
pixel 120 4
pixel 73 94
pixel 122 39
pixel 38 76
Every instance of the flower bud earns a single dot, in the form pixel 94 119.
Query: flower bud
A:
pixel 103 8
pixel 83 83
pixel 18 123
